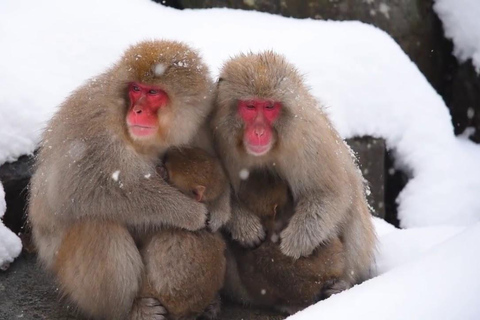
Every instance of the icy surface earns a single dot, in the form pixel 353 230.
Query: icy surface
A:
pixel 10 244
pixel 461 21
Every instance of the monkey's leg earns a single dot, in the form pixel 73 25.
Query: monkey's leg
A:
pixel 99 268
pixel 185 270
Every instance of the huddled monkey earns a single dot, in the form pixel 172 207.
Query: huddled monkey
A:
pixel 265 119
pixel 96 189
pixel 267 277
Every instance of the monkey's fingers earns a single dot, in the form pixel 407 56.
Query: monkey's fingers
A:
pixel 249 235
pixel 299 240
pixel 148 309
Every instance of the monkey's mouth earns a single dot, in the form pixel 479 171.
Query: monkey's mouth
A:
pixel 142 131
pixel 258 150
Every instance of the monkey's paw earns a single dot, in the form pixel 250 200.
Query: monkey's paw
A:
pixel 217 219
pixel 148 309
pixel 298 242
pixel 248 232
pixel 333 286
pixel 197 217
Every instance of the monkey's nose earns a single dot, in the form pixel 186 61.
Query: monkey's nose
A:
pixel 259 132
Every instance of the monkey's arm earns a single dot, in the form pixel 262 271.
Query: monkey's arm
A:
pixel 317 218
pixel 244 226
pixel 220 211
pixel 131 198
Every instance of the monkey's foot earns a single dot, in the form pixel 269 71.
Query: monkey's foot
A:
pixel 213 310
pixel 332 287
pixel 148 309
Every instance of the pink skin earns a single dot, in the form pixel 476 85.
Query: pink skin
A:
pixel 142 116
pixel 258 116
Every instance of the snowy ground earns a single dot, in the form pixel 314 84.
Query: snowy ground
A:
pixel 367 83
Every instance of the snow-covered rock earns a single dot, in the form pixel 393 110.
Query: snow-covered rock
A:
pixel 10 244
pixel 461 23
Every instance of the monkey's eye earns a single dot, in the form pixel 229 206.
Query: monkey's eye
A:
pixel 135 88
pixel 269 106
pixel 250 107
pixel 151 91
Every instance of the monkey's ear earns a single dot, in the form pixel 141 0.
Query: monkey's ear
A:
pixel 198 191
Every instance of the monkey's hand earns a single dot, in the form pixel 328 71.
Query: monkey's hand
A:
pixel 220 212
pixel 315 221
pixel 194 216
pixel 245 227
pixel 298 239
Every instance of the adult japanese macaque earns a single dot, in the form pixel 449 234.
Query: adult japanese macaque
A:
pixel 96 187
pixel 266 119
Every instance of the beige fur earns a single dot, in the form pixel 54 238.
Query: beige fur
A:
pixel 308 154
pixel 90 172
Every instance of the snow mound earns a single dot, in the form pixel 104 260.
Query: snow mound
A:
pixel 442 283
pixel 461 22
pixel 10 244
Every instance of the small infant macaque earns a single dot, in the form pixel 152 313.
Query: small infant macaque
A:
pixel 194 172
pixel 200 176
pixel 270 277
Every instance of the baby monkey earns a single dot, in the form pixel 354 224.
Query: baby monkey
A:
pixel 202 253
pixel 194 172
pixel 267 276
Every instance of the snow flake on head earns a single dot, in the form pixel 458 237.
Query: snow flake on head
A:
pixel 159 69
pixel 263 292
pixel 115 175
pixel 243 174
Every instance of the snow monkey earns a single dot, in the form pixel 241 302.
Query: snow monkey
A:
pixel 269 277
pixel 266 119
pixel 96 188
pixel 200 176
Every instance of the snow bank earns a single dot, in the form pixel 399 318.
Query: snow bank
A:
pixel 368 84
pixel 10 244
pixel 441 284
pixel 461 21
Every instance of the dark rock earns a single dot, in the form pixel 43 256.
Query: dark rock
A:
pixel 464 100
pixel 371 157
pixel 412 23
pixel 15 177
pixel 27 292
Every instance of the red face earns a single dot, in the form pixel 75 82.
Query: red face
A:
pixel 258 116
pixel 142 115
